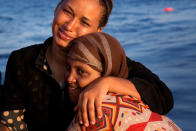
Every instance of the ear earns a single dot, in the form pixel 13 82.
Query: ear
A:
pixel 99 29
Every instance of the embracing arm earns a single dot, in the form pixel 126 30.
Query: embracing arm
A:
pixel 122 86
pixel 141 83
pixel 90 99
pixel 152 90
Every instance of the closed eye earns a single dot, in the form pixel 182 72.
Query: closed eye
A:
pixel 85 23
pixel 67 11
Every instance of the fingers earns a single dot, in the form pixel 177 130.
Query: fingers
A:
pixel 86 111
pixel 90 103
pixel 85 117
pixel 82 111
pixel 98 105
pixel 80 117
pixel 91 111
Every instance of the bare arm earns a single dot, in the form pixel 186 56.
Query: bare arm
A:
pixel 142 84
pixel 90 100
pixel 122 86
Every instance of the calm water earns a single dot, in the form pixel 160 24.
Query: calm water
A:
pixel 163 41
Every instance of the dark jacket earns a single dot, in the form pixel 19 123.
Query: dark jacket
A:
pixel 29 84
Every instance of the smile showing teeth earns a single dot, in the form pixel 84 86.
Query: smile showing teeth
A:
pixel 64 36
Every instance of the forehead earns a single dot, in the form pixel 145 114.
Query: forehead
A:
pixel 85 8
pixel 83 2
pixel 73 63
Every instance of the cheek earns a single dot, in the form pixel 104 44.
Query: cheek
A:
pixel 83 82
pixel 59 19
pixel 55 25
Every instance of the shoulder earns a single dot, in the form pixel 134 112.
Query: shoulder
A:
pixel 32 50
pixel 24 56
pixel 29 50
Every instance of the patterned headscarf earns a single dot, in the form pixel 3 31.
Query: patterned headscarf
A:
pixel 100 51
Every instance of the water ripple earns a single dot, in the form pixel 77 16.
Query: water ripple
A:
pixel 6 18
pixel 2 56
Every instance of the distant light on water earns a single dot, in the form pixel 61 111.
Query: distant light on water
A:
pixel 169 9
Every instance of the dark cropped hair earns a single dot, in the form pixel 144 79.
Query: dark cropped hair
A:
pixel 107 9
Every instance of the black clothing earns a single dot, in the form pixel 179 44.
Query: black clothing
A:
pixel 29 85
pixel 152 90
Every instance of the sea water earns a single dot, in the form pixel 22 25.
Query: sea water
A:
pixel 165 42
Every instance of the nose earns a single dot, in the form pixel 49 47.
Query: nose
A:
pixel 71 25
pixel 71 79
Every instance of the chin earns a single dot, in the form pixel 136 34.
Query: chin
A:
pixel 61 43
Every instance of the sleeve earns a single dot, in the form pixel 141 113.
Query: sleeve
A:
pixel 14 120
pixel 152 90
pixel 10 93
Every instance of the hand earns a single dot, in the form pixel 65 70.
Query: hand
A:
pixel 90 101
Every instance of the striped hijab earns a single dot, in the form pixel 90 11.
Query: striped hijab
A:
pixel 100 51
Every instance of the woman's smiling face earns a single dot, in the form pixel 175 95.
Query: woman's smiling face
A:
pixel 74 18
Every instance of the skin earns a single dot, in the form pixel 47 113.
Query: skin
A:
pixel 79 75
pixel 73 18
pixel 91 97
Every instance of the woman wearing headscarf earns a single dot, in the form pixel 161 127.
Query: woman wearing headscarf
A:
pixel 97 55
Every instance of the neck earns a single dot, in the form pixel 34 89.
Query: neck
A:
pixel 56 54
pixel 56 57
